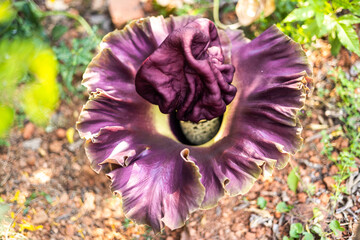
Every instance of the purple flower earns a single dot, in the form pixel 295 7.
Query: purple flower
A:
pixel 163 166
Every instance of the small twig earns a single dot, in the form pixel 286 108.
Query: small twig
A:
pixel 78 18
pixel 319 135
pixel 310 164
pixel 7 175
pixel 348 205
pixel 353 214
pixel 12 222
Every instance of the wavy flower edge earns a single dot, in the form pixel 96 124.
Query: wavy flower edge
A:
pixel 209 190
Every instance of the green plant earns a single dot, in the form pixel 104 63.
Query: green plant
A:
pixel 293 179
pixel 29 67
pixel 27 82
pixel 199 7
pixel 282 207
pixel 297 231
pixel 73 61
pixel 335 227
pixel 348 92
pixel 261 202
pixel 319 18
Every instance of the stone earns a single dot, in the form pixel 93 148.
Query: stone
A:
pixel 355 69
pixel 55 147
pixel 344 143
pixel 218 211
pixel 76 145
pixel 28 130
pixel 302 197
pixel 315 159
pixel 329 182
pixel 70 230
pixel 56 5
pixel 324 199
pixel 250 236
pixel 98 5
pixel 60 133
pixel 33 144
pixel 40 217
pixel 333 170
pixel 31 161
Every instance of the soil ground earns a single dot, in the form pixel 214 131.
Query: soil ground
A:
pixel 54 194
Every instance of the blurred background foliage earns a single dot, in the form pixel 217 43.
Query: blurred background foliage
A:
pixel 314 19
pixel 26 82
pixel 31 59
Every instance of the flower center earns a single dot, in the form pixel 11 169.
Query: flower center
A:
pixel 201 132
pixel 191 133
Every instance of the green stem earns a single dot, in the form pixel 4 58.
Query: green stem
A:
pixel 216 10
pixel 77 18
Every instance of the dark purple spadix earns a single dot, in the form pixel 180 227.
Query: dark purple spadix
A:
pixel 187 74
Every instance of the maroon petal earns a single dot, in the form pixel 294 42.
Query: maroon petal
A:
pixel 260 129
pixel 103 110
pixel 160 187
pixel 123 51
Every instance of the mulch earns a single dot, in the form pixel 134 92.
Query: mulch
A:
pixel 54 194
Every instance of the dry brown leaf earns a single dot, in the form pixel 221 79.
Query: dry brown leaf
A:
pixel 269 7
pixel 249 11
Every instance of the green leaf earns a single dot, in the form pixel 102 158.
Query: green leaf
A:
pixel 7 117
pixel 341 4
pixel 320 21
pixel 325 22
pixel 335 45
pixel 286 238
pixel 300 14
pixel 317 214
pixel 282 207
pixel 30 198
pixel 47 197
pixel 295 230
pixel 335 227
pixel 58 31
pixel 7 13
pixel 348 37
pixel 40 98
pixel 317 229
pixel 293 179
pixel 309 28
pixel 348 19
pixel 261 202
pixel 308 236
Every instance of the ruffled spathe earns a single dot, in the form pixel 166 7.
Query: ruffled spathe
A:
pixel 163 180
